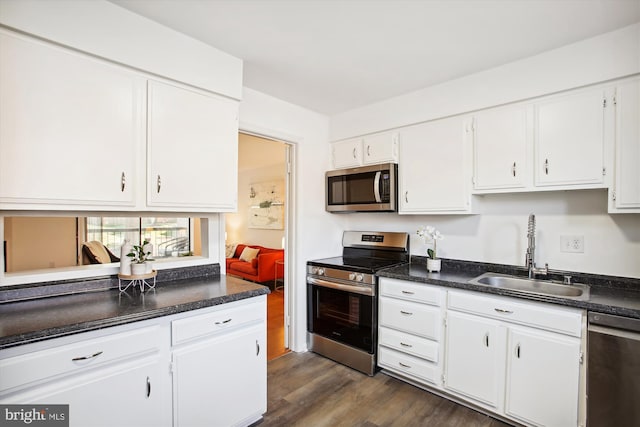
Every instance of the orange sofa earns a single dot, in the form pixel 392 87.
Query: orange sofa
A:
pixel 261 269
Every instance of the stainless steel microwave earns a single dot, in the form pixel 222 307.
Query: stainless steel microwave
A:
pixel 362 189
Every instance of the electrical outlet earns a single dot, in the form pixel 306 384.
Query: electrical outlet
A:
pixel 574 244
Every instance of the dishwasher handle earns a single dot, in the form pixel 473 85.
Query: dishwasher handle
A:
pixel 612 321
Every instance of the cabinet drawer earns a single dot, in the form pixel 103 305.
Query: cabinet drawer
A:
pixel 407 343
pixel 54 362
pixel 409 365
pixel 564 320
pixel 215 322
pixel 418 319
pixel 411 291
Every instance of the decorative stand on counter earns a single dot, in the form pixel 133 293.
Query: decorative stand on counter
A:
pixel 136 280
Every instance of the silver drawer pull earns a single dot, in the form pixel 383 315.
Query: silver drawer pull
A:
pixel 408 292
pixel 406 345
pixel 499 310
pixel 148 387
pixel 123 182
pixel 223 322
pixel 403 365
pixel 77 359
pixel 406 312
pixel 158 184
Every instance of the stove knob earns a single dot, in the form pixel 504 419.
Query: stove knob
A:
pixel 359 277
pixel 320 271
pixel 314 270
pixel 352 276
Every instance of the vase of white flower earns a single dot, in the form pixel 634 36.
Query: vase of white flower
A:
pixel 430 234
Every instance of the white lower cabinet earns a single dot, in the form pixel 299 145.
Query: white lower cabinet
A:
pixel 215 373
pixel 521 360
pixel 410 330
pixel 475 358
pixel 220 378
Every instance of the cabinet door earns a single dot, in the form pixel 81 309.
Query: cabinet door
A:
pixel 474 358
pixel 570 139
pixel 380 148
pixel 70 128
pixel 500 148
pixel 433 168
pixel 346 154
pixel 126 394
pixel 221 381
pixel 627 190
pixel 192 149
pixel 542 377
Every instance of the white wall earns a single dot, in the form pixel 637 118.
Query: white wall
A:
pixel 498 233
pixel 260 161
pixel 315 233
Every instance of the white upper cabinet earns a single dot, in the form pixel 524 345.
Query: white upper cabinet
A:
pixel 380 148
pixel 347 153
pixel 570 138
pixel 70 128
pixel 626 194
pixel 369 150
pixel 434 168
pixel 501 142
pixel 72 132
pixel 191 149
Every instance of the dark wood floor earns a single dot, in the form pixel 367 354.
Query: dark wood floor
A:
pixel 305 389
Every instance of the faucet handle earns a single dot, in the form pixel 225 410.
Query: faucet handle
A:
pixel 567 280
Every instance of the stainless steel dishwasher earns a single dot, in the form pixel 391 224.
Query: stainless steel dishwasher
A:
pixel 613 371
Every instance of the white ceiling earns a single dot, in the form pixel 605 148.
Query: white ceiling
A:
pixel 335 55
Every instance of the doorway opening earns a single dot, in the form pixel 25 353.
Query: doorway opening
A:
pixel 261 221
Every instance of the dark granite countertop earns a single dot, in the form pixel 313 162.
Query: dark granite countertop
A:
pixel 608 294
pixel 32 320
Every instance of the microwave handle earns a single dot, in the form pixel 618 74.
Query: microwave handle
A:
pixel 376 187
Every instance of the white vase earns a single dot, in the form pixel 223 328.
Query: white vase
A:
pixel 125 261
pixel 434 265
pixel 138 269
pixel 149 268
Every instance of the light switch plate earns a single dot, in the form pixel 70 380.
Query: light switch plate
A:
pixel 573 244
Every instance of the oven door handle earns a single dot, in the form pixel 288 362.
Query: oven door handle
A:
pixel 376 187
pixel 341 287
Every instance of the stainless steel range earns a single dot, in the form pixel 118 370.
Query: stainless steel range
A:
pixel 342 301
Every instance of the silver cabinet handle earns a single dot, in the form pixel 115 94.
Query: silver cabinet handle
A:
pixel 368 150
pixel 405 345
pixel 518 350
pixel 148 388
pixel 499 310
pixel 408 292
pixel 159 184
pixel 486 339
pixel 257 348
pixel 224 321
pixel 406 312
pixel 403 365
pixel 406 196
pixel 123 182
pixel 546 166
pixel 76 359
pixel 513 169
pixel 354 152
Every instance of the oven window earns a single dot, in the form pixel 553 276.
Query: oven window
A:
pixel 342 316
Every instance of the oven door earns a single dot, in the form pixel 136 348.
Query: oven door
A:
pixel 343 314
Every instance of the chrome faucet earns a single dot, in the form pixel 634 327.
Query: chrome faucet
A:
pixel 530 262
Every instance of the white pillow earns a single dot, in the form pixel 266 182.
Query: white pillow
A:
pixel 230 249
pixel 248 254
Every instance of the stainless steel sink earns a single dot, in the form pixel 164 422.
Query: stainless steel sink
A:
pixel 533 286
